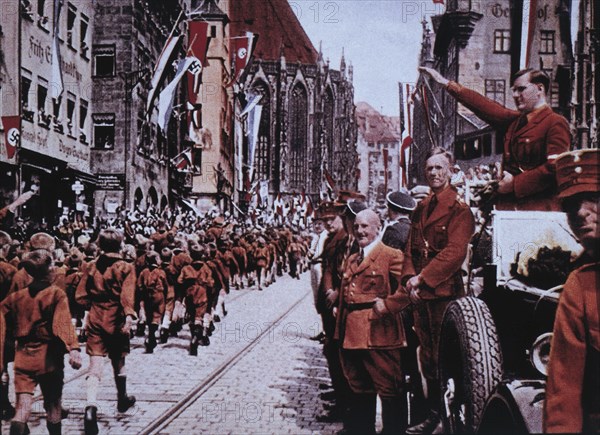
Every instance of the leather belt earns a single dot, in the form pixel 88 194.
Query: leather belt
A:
pixel 360 306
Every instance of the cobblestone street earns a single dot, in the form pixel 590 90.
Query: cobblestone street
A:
pixel 260 374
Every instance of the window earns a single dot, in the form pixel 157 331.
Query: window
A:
pixel 71 16
pixel 70 113
pixel 496 90
pixel 104 61
pixel 501 41
pixel 104 131
pixel 43 21
pixel 328 126
pixel 83 111
pixel 56 121
pixel 298 140
pixel 42 95
pixel 25 88
pixel 83 29
pixel 262 157
pixel 547 42
pixel 487 145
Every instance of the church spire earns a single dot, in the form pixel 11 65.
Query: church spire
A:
pixel 425 57
pixel 343 64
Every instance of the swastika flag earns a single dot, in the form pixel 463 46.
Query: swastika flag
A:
pixel 12 134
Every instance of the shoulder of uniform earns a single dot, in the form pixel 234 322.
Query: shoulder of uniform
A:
pixel 460 200
pixel 589 267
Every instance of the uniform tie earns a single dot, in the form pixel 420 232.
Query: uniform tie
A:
pixel 432 205
pixel 361 256
pixel 522 122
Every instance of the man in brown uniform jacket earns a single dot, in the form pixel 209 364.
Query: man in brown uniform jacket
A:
pixel 573 387
pixel 39 319
pixel 370 329
pixel 107 289
pixel 533 136
pixel 442 227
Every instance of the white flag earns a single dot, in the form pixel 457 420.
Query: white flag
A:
pixel 56 87
pixel 253 126
pixel 165 99
pixel 164 59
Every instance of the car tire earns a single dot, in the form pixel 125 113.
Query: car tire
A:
pixel 470 363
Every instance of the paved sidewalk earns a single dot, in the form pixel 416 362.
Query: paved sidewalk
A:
pixel 273 388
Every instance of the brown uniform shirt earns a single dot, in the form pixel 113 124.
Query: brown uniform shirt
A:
pixel 529 150
pixel 377 276
pixel 573 387
pixel 41 325
pixel 107 289
pixel 438 244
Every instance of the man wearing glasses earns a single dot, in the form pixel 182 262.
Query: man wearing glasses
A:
pixel 533 136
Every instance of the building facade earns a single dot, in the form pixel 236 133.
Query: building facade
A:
pixel 378 140
pixel 479 45
pixel 129 152
pixel 307 127
pixel 46 86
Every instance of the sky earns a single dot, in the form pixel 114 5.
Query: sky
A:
pixel 381 39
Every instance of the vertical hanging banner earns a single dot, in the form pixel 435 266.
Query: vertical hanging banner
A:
pixel 160 71
pixel 386 154
pixel 12 134
pixel 198 47
pixel 406 143
pixel 252 133
pixel 56 87
pixel 242 48
pixel 165 99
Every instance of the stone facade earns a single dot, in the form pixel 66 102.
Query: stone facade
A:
pixel 478 44
pixel 54 108
pixel 378 135
pixel 130 154
pixel 307 125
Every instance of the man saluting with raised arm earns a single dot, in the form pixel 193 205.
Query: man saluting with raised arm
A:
pixel 533 136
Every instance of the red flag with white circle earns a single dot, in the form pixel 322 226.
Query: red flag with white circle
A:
pixel 12 134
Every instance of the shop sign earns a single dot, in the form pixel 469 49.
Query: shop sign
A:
pixel 110 182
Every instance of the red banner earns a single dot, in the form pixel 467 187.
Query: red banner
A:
pixel 242 51
pixel 12 134
pixel 199 40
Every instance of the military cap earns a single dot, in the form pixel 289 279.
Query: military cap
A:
pixel 353 207
pixel 401 202
pixel 346 195
pixel 329 209
pixel 578 172
pixel 42 241
pixel 419 192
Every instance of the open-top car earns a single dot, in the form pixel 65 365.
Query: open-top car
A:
pixel 495 343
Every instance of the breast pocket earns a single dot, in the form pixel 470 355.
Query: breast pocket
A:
pixel 440 237
pixel 372 284
pixel 529 152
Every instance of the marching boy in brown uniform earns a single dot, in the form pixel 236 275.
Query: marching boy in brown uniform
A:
pixel 107 289
pixel 152 285
pixel 39 319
